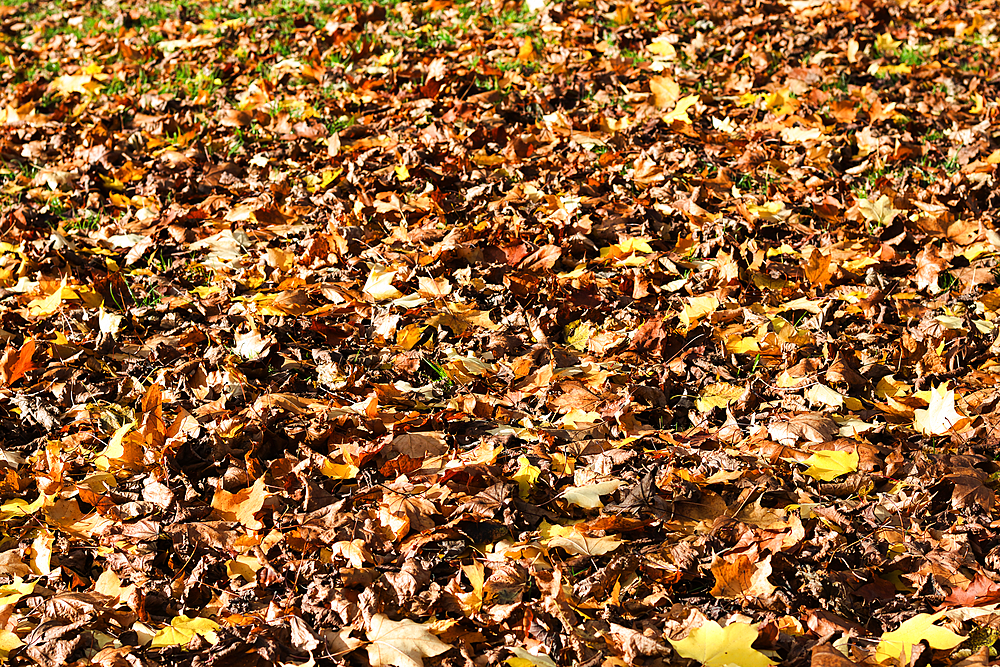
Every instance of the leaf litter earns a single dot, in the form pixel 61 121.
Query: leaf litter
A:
pixel 450 333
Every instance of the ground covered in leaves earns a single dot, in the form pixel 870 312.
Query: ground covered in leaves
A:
pixel 455 333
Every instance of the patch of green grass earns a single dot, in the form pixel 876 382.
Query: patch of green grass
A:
pixel 89 221
pixel 912 56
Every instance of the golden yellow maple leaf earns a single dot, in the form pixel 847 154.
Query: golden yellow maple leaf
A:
pixel 895 646
pixel 715 646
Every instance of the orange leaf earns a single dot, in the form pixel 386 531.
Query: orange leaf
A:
pixel 242 505
pixel 742 578
pixel 13 368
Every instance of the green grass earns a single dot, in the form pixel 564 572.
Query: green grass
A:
pixel 912 56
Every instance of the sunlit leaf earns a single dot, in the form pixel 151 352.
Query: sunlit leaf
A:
pixel 715 646
pixel 895 646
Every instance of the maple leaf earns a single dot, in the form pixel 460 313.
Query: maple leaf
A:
pixel 182 630
pixel 742 578
pixel 880 212
pixel 575 542
pixel 940 417
pixel 589 496
pixel 896 645
pixel 523 658
pixel 829 465
pixel 401 643
pixel 526 475
pixel 715 646
pixel 15 364
pixel 242 505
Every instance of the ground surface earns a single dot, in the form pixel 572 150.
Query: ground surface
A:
pixel 453 333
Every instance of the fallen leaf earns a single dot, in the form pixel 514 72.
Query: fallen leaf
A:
pixel 182 629
pixel 940 417
pixel 401 643
pixel 895 646
pixel 828 465
pixel 715 646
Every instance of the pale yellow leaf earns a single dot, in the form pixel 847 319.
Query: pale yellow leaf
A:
pixel 401 643
pixel 589 495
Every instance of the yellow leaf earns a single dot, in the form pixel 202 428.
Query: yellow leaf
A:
pixel 715 646
pixel 526 475
pixel 183 629
pixel 742 345
pixel 379 284
pixel 680 110
pixel 402 173
pixel 661 47
pixel 15 590
pixel 41 553
pixel 665 91
pixel 401 643
pixel 886 44
pixel 578 334
pixel 880 212
pixel 338 470
pixel 243 566
pixel 527 52
pixel 828 465
pixel 523 658
pixel 18 507
pixel 575 542
pixel 896 645
pixel 588 496
pixel 47 305
pixel 940 417
pixel 353 551
pixel 582 417
pixel 696 309
pixel 717 395
pixel 8 642
pixel 820 393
